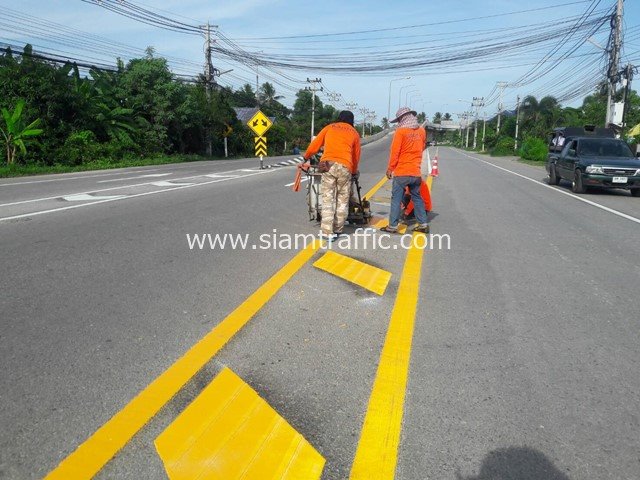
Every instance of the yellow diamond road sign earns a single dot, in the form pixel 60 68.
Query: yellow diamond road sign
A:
pixel 259 123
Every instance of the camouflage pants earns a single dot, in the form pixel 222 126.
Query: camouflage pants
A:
pixel 335 190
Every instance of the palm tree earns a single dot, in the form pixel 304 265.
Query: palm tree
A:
pixel 447 116
pixel 437 117
pixel 539 115
pixel 267 94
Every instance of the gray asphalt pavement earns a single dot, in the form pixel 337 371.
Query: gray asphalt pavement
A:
pixel 524 361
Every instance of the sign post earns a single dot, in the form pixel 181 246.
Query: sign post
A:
pixel 260 123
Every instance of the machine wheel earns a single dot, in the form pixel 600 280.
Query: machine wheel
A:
pixel 577 186
pixel 554 179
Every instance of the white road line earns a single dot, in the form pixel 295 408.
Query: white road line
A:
pixel 83 197
pixel 165 183
pixel 216 175
pixel 538 182
pixel 79 177
pixel 152 175
pixel 291 184
pixel 124 197
pixel 109 189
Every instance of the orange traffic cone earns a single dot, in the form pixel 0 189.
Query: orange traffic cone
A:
pixel 434 167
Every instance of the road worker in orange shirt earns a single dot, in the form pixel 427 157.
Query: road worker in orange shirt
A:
pixel 339 162
pixel 405 160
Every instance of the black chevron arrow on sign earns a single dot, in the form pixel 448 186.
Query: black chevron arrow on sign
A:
pixel 261 146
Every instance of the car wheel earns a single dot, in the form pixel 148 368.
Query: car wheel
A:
pixel 635 192
pixel 577 185
pixel 554 179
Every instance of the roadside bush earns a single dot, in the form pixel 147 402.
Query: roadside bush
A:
pixel 534 149
pixel 119 149
pixel 503 147
pixel 80 147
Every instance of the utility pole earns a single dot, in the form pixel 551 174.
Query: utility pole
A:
pixel 258 81
pixel 477 102
pixel 313 89
pixel 372 118
pixel 515 147
pixel 210 80
pixel 460 117
pixel 466 116
pixel 334 97
pixel 501 86
pixel 628 77
pixel 351 105
pixel 484 128
pixel 364 112
pixel 614 60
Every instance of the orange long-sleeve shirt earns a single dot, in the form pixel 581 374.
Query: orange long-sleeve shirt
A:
pixel 341 144
pixel 406 151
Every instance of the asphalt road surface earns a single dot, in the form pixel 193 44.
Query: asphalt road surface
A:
pixel 524 362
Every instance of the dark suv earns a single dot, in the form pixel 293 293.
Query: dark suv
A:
pixel 588 159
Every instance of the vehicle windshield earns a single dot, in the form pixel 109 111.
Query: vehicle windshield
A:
pixel 605 147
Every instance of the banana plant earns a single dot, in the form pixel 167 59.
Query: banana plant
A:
pixel 15 134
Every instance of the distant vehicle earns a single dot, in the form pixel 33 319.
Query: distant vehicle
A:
pixel 592 157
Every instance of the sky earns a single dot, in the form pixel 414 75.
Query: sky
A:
pixel 413 30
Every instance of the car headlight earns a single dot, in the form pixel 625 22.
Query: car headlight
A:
pixel 594 169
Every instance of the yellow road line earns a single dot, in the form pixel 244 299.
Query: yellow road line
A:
pixel 375 188
pixel 377 452
pixel 367 276
pixel 89 458
pixel 229 433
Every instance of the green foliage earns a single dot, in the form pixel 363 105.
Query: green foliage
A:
pixel 504 147
pixel 79 147
pixel 534 149
pixel 15 134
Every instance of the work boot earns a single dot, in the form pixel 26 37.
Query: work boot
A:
pixel 421 227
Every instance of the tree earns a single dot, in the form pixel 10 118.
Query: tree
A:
pixel 594 108
pixel 16 135
pixel 244 97
pixel 437 117
pixel 385 122
pixel 147 86
pixel 447 116
pixel 538 117
pixel 267 94
pixel 270 105
pixel 422 117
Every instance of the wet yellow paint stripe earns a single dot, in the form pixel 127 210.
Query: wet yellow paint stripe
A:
pixel 375 188
pixel 377 451
pixel 229 433
pixel 367 276
pixel 89 458
pixel 402 228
